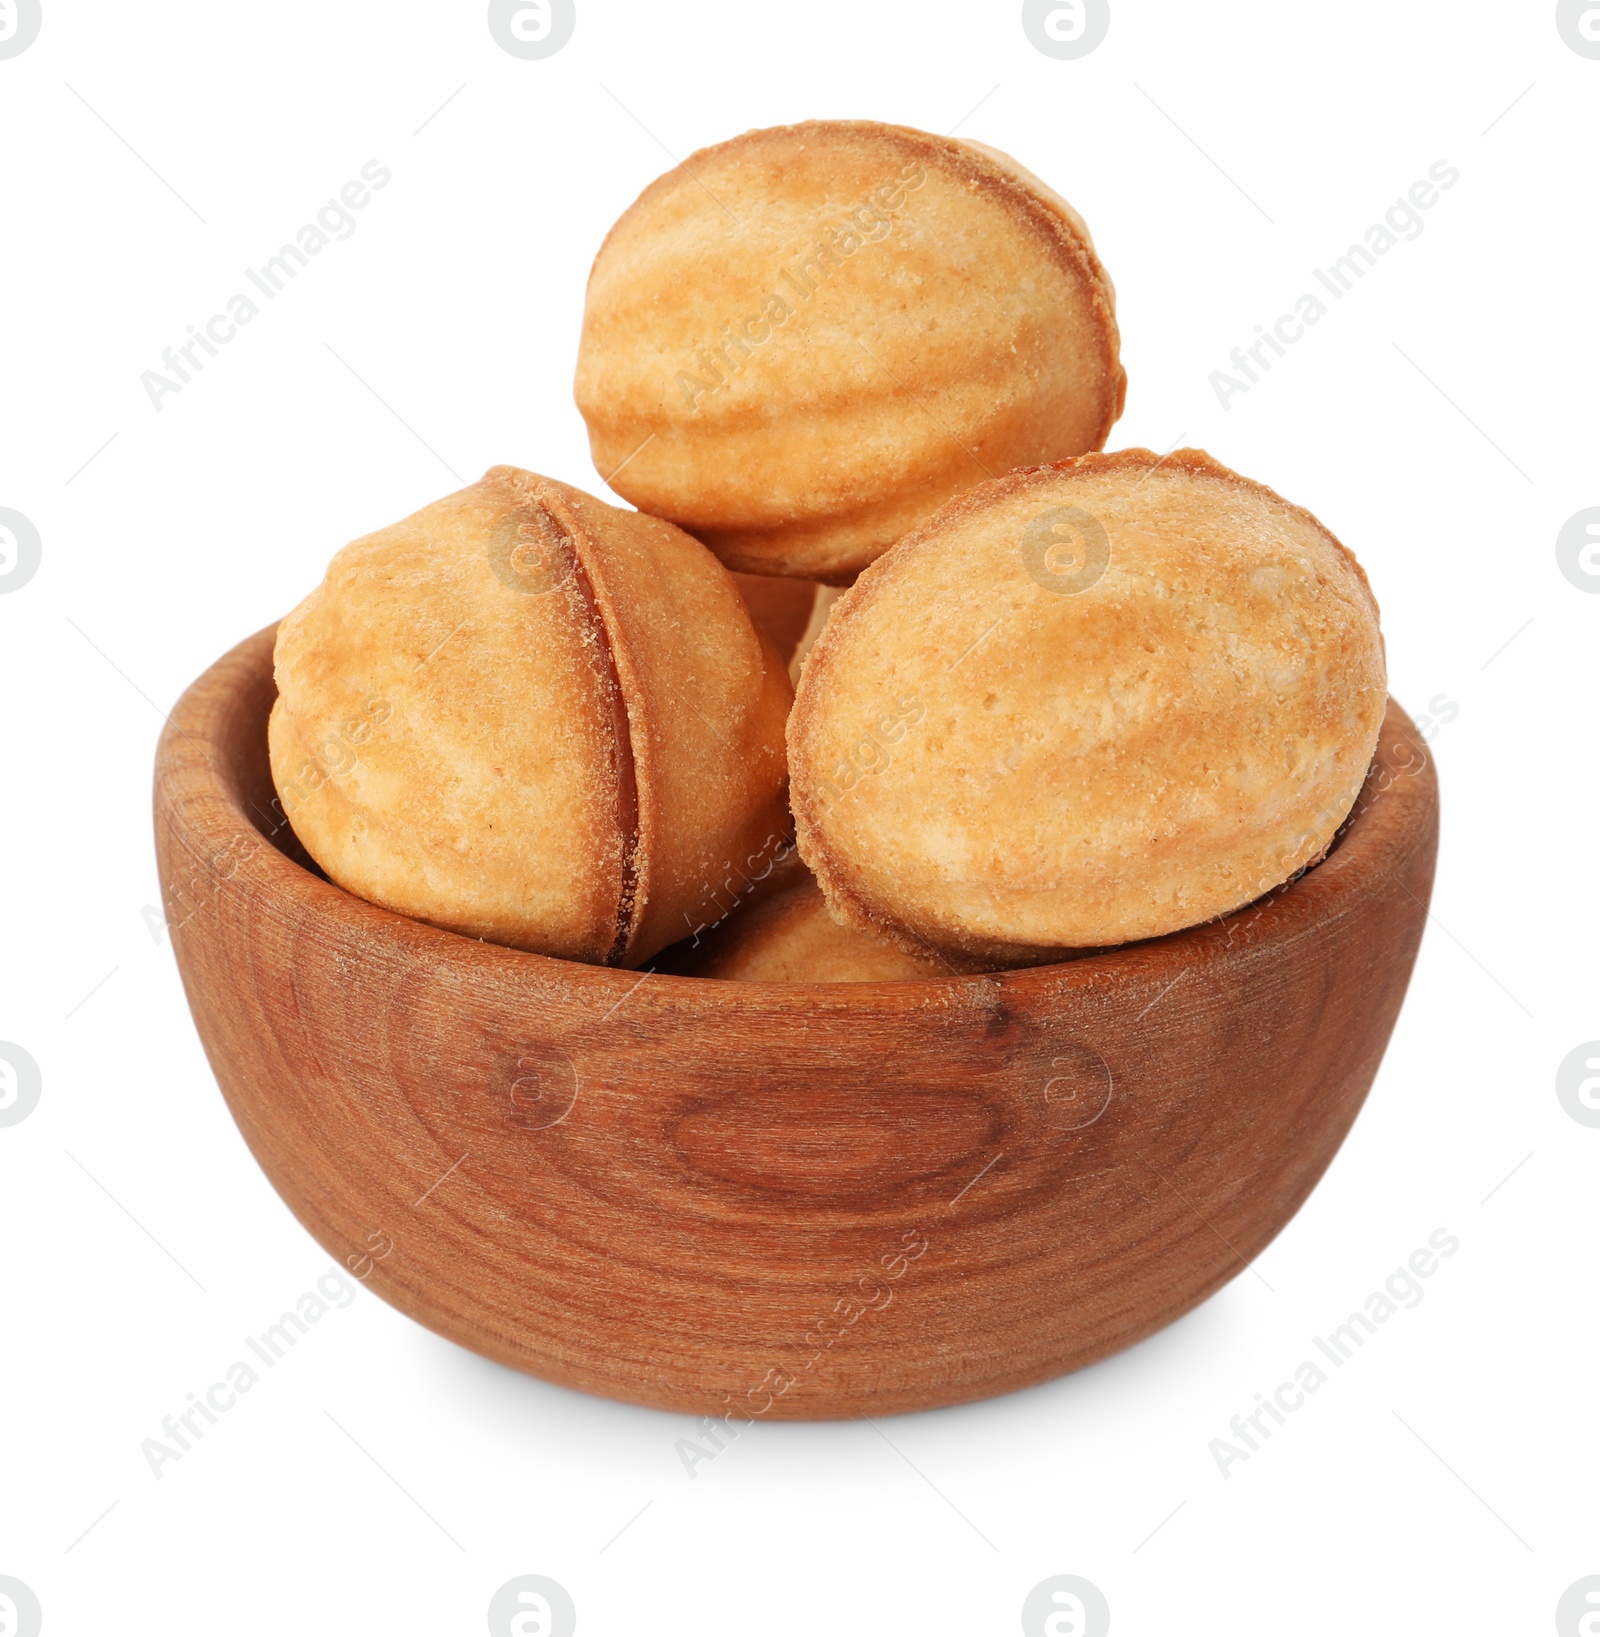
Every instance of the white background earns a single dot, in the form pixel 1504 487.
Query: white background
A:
pixel 1444 1480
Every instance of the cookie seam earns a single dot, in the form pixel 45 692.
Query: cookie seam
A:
pixel 528 492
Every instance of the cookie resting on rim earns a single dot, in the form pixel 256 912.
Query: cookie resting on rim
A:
pixel 1085 704
pixel 530 717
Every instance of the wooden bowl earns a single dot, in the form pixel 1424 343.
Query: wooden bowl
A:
pixel 782 1200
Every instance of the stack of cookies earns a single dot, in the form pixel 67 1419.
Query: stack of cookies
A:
pixel 891 674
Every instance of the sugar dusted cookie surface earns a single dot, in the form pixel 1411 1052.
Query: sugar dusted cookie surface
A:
pixel 1085 704
pixel 798 344
pixel 530 717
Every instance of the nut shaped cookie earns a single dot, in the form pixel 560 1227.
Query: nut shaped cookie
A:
pixel 800 343
pixel 1084 704
pixel 789 937
pixel 531 717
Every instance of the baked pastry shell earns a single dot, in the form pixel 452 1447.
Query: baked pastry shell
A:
pixel 968 328
pixel 1147 743
pixel 531 716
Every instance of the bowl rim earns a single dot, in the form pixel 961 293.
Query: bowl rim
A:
pixel 212 820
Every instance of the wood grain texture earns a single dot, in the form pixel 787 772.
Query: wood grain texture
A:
pixel 778 1201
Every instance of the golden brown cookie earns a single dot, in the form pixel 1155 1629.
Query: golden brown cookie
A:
pixel 821 606
pixel 781 608
pixel 1084 704
pixel 798 344
pixel 531 717
pixel 789 937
